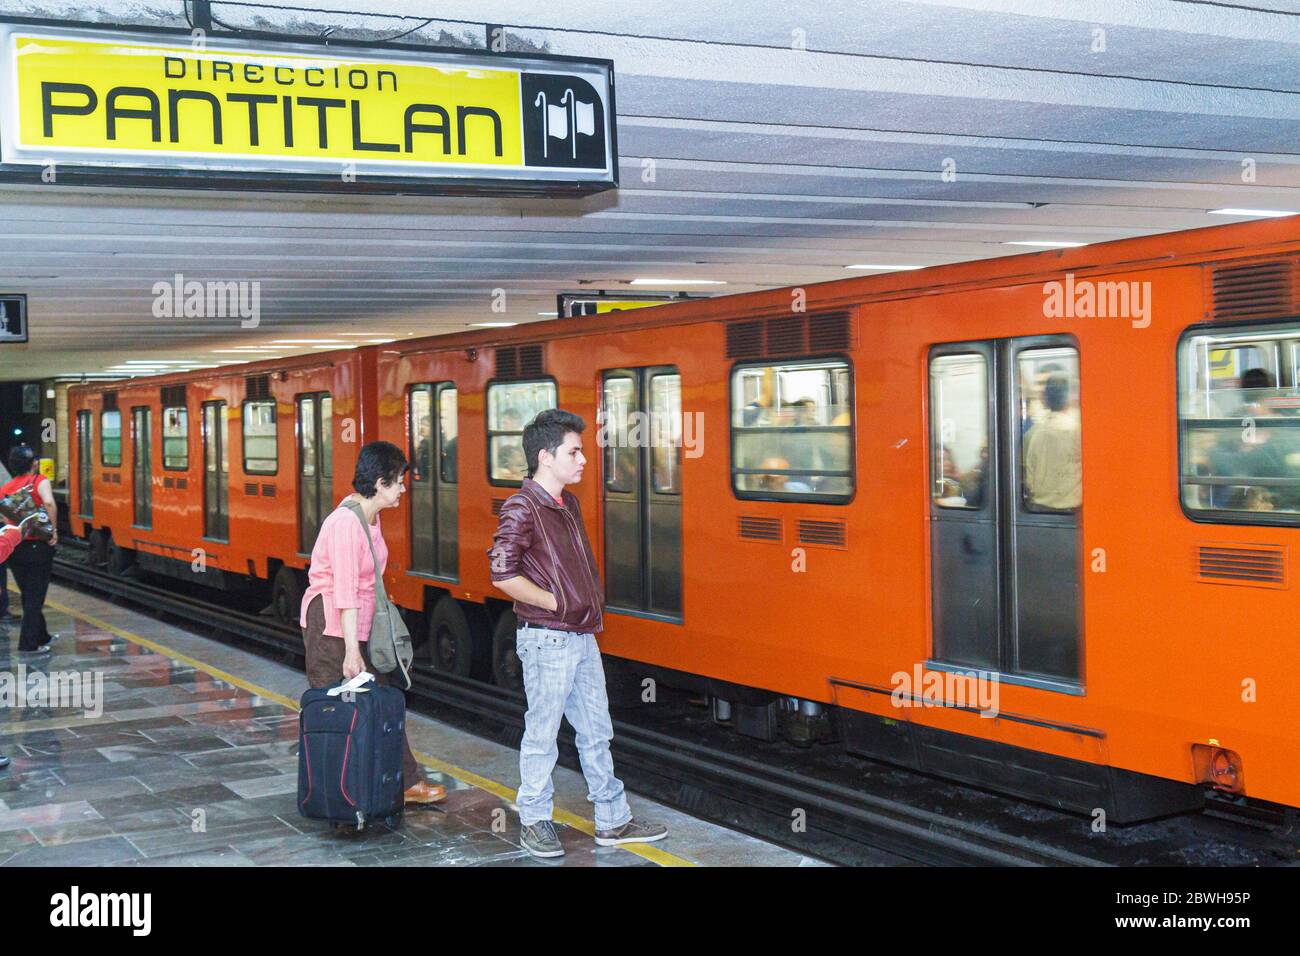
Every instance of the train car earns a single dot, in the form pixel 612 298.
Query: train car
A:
pixel 221 477
pixel 1023 522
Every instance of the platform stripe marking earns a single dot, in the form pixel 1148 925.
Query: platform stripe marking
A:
pixel 646 851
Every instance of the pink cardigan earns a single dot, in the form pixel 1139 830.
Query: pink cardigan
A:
pixel 343 573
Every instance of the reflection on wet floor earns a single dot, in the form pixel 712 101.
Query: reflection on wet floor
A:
pixel 182 768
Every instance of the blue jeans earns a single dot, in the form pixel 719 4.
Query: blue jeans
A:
pixel 563 677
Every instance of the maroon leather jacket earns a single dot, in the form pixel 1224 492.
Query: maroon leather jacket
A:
pixel 547 543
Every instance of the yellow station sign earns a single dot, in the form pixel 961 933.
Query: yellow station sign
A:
pixel 144 100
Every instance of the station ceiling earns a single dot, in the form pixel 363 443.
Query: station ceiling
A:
pixel 788 140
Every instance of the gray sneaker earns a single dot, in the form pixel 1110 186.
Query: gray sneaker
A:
pixel 634 831
pixel 540 839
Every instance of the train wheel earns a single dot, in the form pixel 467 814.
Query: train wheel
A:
pixel 286 596
pixel 120 560
pixel 506 670
pixel 98 548
pixel 451 642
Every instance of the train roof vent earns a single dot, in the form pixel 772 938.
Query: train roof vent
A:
pixel 109 402
pixel 744 339
pixel 823 534
pixel 257 386
pixel 173 396
pixel 756 528
pixel 829 333
pixel 789 335
pixel 519 361
pixel 1258 566
pixel 1255 290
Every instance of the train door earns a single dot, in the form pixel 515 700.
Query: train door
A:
pixel 640 434
pixel 216 472
pixel 85 465
pixel 1005 500
pixel 315 465
pixel 140 470
pixel 433 480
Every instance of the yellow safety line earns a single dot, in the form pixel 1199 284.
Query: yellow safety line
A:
pixel 644 850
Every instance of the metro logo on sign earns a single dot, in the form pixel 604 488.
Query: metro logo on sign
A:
pixel 134 100
pixel 562 127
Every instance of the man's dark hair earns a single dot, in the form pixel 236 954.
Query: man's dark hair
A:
pixel 547 430
pixel 1256 378
pixel 378 459
pixel 21 460
pixel 1056 392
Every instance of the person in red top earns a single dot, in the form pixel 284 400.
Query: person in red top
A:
pixel 9 538
pixel 11 535
pixel 32 560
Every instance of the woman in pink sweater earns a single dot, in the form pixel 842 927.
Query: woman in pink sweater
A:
pixel 339 605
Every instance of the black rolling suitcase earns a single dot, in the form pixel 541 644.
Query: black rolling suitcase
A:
pixel 350 754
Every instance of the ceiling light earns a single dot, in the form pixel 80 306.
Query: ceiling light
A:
pixel 1046 244
pixel 885 268
pixel 677 282
pixel 1258 213
pixel 548 313
pixel 304 341
pixel 492 325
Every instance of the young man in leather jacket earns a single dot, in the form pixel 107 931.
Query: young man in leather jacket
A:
pixel 541 557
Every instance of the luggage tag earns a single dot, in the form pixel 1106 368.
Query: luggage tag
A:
pixel 350 689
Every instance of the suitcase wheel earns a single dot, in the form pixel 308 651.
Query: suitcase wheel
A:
pixel 393 821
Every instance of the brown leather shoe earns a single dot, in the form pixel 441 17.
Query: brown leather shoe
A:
pixel 425 793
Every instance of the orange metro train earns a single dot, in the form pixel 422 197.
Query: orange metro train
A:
pixel 1024 522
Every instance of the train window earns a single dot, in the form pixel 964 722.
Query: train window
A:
pixel 1239 423
pixel 259 438
pixel 176 439
pixel 447 424
pixel 110 439
pixel 421 431
pixel 959 423
pixel 1051 459
pixel 666 433
pixel 791 431
pixel 511 405
pixel 620 452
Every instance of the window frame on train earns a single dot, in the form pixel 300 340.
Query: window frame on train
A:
pixel 491 433
pixel 85 463
pixel 797 497
pixel 185 436
pixel 103 457
pixel 1220 515
pixel 243 434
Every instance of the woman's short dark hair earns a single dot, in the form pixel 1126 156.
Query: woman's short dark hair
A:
pixel 547 430
pixel 21 460
pixel 376 460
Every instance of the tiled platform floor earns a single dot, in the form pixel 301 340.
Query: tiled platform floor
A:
pixel 192 761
